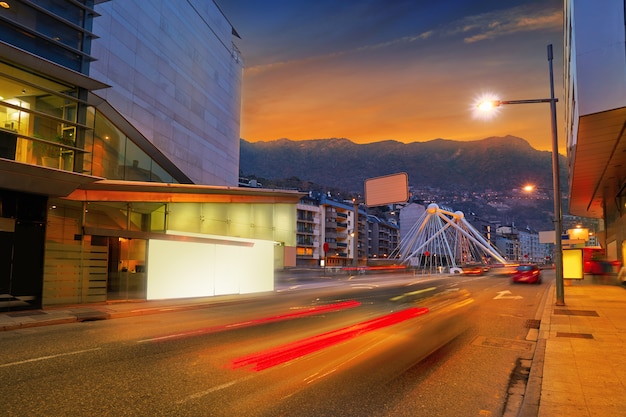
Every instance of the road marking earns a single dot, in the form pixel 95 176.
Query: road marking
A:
pixel 204 393
pixel 363 285
pixel 503 294
pixel 43 358
pixel 408 294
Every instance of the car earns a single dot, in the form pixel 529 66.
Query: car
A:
pixel 530 274
pixel 504 270
pixel 473 269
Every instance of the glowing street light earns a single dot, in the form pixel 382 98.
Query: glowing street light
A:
pixel 488 105
pixel 529 188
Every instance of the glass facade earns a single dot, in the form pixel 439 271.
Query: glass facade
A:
pixel 38 119
pixel 55 30
pixel 41 124
pixel 274 222
pixel 98 250
pixel 113 155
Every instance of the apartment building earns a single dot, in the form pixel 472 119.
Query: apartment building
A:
pixel 382 237
pixel 327 223
pixel 338 232
pixel 530 249
pixel 309 249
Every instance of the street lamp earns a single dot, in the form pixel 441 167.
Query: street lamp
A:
pixel 556 180
pixel 355 240
pixel 530 189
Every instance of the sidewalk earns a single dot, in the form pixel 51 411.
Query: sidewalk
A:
pixel 578 370
pixel 579 367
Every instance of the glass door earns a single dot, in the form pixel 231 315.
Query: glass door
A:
pixel 127 273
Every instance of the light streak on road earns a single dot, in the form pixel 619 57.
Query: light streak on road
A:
pixel 278 355
pixel 281 317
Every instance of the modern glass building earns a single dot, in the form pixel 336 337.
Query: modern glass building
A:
pixel 595 100
pixel 119 157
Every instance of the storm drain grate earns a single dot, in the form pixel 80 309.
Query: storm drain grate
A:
pixel 533 324
pixel 576 335
pixel 589 313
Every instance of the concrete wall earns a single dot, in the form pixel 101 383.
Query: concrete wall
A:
pixel 176 77
pixel 600 59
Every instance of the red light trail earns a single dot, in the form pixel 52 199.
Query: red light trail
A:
pixel 289 316
pixel 281 354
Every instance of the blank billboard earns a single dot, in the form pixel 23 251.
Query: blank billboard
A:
pixel 388 189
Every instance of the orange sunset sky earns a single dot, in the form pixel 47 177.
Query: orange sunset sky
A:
pixel 375 70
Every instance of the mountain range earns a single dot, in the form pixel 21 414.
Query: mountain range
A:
pixel 495 163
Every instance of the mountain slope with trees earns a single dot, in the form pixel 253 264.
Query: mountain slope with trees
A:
pixel 496 163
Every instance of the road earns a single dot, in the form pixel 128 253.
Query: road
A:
pixel 362 346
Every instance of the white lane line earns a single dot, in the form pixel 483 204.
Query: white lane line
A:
pixel 43 358
pixel 170 336
pixel 201 394
pixel 408 294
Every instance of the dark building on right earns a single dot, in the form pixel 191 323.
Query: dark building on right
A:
pixel 595 116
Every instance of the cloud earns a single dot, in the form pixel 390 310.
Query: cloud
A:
pixel 402 40
pixel 475 28
pixel 509 22
pixel 381 45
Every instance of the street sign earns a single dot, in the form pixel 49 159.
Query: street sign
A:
pixel 325 247
pixel 388 189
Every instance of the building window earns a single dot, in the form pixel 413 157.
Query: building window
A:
pixel 40 115
pixel 114 155
pixel 54 30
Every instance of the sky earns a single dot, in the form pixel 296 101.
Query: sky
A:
pixel 404 70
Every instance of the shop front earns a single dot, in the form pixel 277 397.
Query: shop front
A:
pixel 113 241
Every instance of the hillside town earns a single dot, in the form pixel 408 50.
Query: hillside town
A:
pixel 326 232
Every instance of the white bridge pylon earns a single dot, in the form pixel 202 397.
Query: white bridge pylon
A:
pixel 442 240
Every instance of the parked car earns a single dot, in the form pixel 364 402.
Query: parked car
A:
pixel 530 274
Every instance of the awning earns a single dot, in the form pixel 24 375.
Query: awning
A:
pixel 132 191
pixel 597 163
pixel 36 179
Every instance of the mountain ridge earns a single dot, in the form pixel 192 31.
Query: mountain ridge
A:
pixel 498 163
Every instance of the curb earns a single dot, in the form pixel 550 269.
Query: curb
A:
pixel 17 326
pixel 65 315
pixel 532 396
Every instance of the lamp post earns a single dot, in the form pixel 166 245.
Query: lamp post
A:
pixel 355 239
pixel 556 180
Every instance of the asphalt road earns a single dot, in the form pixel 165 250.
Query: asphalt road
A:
pixel 362 346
